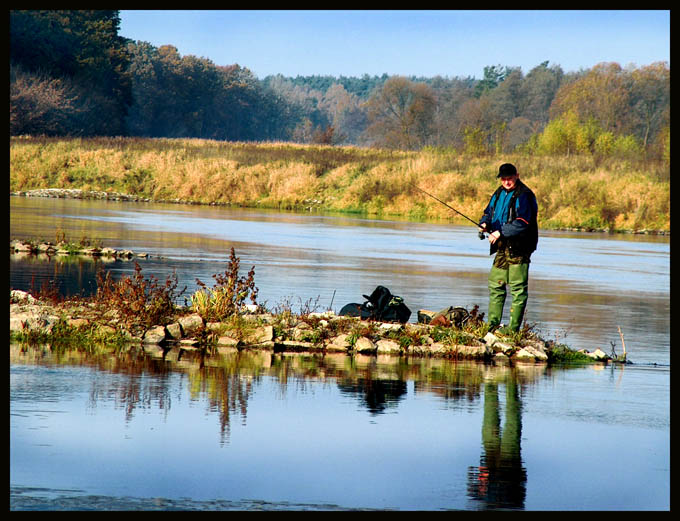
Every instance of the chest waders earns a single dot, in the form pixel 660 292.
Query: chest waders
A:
pixel 508 270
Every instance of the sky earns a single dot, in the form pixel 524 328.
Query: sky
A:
pixel 427 43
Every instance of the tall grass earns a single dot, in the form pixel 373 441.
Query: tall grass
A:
pixel 572 192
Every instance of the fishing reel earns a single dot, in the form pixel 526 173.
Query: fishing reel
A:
pixel 481 235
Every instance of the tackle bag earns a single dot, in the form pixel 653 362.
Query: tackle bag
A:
pixel 456 316
pixel 380 305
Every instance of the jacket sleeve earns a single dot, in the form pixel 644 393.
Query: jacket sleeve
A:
pixel 526 211
pixel 486 218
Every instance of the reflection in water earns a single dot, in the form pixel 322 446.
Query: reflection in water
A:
pixel 376 395
pixel 302 445
pixel 500 480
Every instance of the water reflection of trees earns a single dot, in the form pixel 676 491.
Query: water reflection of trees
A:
pixel 228 382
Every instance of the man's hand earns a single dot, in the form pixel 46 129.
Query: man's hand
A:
pixel 493 237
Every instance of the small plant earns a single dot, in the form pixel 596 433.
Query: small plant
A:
pixel 229 293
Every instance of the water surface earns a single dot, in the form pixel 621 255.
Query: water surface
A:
pixel 276 432
pixel 582 286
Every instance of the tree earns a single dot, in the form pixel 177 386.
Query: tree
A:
pixel 540 86
pixel 400 114
pixel 493 76
pixel 602 94
pixel 650 98
pixel 83 48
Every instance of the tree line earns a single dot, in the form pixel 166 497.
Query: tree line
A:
pixel 71 74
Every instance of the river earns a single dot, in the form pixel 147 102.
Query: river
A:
pixel 326 434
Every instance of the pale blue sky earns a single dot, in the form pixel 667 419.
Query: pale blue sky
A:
pixel 420 43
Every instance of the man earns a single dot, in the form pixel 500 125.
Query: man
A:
pixel 510 221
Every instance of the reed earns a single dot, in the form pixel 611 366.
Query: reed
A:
pixel 573 191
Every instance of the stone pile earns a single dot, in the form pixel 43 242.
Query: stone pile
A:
pixel 63 248
pixel 76 193
pixel 265 331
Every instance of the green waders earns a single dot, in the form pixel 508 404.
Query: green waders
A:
pixel 510 271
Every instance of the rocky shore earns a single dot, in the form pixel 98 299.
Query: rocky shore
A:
pixel 76 193
pixel 313 333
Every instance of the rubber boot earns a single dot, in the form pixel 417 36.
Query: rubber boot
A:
pixel 498 279
pixel 518 280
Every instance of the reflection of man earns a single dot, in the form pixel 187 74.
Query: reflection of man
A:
pixel 500 479
pixel 510 220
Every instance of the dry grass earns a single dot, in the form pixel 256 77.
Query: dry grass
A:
pixel 575 191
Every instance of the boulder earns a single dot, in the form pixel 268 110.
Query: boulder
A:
pixel 155 335
pixel 190 324
pixel 530 353
pixel 388 346
pixel 227 341
pixel 365 345
pixel 174 330
pixel 261 335
pixel 474 351
pixel 598 354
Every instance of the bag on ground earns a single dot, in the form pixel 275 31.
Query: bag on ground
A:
pixel 380 305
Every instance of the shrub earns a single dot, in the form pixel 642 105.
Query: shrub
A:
pixel 139 303
pixel 228 294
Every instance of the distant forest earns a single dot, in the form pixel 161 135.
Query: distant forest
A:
pixel 71 74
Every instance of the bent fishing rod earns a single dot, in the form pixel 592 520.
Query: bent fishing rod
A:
pixel 481 233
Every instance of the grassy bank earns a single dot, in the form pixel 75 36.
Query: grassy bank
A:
pixel 573 192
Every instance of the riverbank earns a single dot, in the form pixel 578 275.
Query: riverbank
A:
pixel 63 193
pixel 39 321
pixel 573 192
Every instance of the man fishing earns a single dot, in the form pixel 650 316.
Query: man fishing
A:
pixel 510 219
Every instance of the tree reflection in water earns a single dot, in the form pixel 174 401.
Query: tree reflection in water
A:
pixel 228 381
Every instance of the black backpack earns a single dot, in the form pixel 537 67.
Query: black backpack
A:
pixel 380 305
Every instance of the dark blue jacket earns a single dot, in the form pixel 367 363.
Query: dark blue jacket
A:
pixel 514 213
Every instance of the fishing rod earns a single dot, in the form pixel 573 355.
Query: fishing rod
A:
pixel 481 233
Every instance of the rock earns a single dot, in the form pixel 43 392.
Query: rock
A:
pixel 261 335
pixel 155 335
pixel 388 346
pixel 474 351
pixel 529 353
pixel 339 343
pixel 490 339
pixel 77 322
pixel 294 345
pixel 227 341
pixel 503 347
pixel 17 295
pixel 322 314
pixel 437 348
pixel 365 345
pixel 108 252
pixel 174 330
pixel 598 354
pixel 190 324
pixel 389 326
pixel 216 327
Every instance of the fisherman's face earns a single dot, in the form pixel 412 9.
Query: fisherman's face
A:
pixel 509 181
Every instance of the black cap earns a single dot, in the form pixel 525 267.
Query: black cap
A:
pixel 506 170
